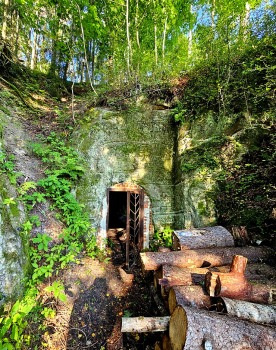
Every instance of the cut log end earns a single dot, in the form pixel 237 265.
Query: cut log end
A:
pixel 188 295
pixel 239 263
pixel 178 328
pixel 212 284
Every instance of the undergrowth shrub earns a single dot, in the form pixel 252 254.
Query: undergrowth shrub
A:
pixel 161 238
pixel 47 259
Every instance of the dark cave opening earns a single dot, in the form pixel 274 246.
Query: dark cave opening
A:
pixel 117 209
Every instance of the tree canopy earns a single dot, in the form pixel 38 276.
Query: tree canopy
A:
pixel 117 41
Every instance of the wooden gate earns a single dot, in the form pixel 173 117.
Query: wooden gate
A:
pixel 134 229
pixel 134 223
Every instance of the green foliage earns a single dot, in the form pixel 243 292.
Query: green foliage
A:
pixel 205 155
pixel 7 166
pixel 42 241
pixel 63 169
pixel 161 238
pixel 245 195
pixel 14 320
pixel 231 86
pixel 57 289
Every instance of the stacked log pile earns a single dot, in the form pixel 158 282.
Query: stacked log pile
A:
pixel 213 300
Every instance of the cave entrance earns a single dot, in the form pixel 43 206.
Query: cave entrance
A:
pixel 125 221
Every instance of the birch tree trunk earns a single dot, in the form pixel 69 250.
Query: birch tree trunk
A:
pixel 34 50
pixel 5 19
pixel 84 49
pixel 164 39
pixel 128 55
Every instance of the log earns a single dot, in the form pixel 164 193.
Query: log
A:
pixel 179 276
pixel 248 311
pixel 158 346
pixel 202 257
pixel 240 235
pixel 234 284
pixel 145 324
pixel 194 329
pixel 205 237
pixel 162 290
pixel 234 280
pixel 168 275
pixel 166 343
pixel 188 295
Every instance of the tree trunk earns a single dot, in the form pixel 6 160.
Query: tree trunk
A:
pixel 5 19
pixel 155 45
pixel 164 39
pixel 145 324
pixel 188 295
pixel 202 257
pixel 190 34
pixel 84 49
pixel 248 311
pixel 207 237
pixel 168 275
pixel 128 56
pixel 34 50
pixel 194 329
pixel 234 284
pixel 179 276
pixel 16 34
pixel 237 287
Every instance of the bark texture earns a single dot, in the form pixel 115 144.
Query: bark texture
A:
pixel 195 329
pixel 202 257
pixel 145 324
pixel 206 237
pixel 234 284
pixel 188 295
pixel 249 311
pixel 169 275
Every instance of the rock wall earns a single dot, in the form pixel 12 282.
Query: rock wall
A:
pixel 205 147
pixel 136 147
pixel 13 245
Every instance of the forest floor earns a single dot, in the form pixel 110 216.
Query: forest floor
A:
pixel 97 299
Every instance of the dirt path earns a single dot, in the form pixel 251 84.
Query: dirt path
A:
pixel 97 297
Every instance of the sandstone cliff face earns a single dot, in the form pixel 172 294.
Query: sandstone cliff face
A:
pixel 136 147
pixel 177 166
pixel 14 260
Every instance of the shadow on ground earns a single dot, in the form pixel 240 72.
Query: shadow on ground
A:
pixel 95 321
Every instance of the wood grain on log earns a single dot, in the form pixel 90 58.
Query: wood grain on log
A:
pixel 145 324
pixel 249 311
pixel 206 237
pixel 234 280
pixel 237 287
pixel 179 276
pixel 202 257
pixel 234 284
pixel 166 343
pixel 194 329
pixel 188 295
pixel 158 346
pixel 168 275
